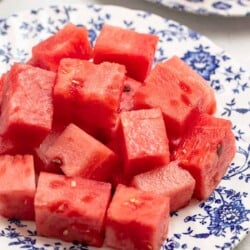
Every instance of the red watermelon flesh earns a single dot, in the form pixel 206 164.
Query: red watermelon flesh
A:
pixel 119 178
pixel 144 138
pixel 17 191
pixel 136 220
pixel 27 107
pixel 79 154
pixel 71 209
pixel 41 162
pixel 2 81
pixel 132 49
pixel 127 98
pixel 193 85
pixel 178 90
pixel 71 42
pixel 89 95
pixel 170 180
pixel 206 151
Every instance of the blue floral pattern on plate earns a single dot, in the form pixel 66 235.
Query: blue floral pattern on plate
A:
pixel 221 221
pixel 208 7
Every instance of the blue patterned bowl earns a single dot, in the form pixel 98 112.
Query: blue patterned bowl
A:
pixel 209 7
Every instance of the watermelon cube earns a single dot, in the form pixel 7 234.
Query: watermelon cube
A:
pixel 17 191
pixel 71 41
pixel 127 98
pixel 170 180
pixel 136 219
pixel 144 140
pixel 71 209
pixel 89 95
pixel 27 107
pixel 130 48
pixel 41 162
pixel 2 81
pixel 206 151
pixel 79 154
pixel 178 90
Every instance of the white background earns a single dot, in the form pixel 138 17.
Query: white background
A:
pixel 230 33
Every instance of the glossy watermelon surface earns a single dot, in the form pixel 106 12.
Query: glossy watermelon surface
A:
pixel 17 197
pixel 41 161
pixel 129 90
pixel 114 146
pixel 84 89
pixel 25 119
pixel 178 90
pixel 71 209
pixel 77 153
pixel 170 180
pixel 70 42
pixel 136 219
pixel 206 151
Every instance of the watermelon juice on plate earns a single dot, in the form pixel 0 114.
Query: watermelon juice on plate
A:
pixel 221 220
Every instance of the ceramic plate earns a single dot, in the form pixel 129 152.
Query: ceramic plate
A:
pixel 223 220
pixel 207 7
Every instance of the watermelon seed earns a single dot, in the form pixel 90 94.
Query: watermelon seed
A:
pixel 149 246
pixel 73 183
pixel 57 161
pixel 77 83
pixel 184 151
pixel 61 207
pixel 65 232
pixel 134 200
pixel 126 88
pixel 133 203
pixel 219 150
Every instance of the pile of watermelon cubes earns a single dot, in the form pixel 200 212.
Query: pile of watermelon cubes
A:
pixel 99 148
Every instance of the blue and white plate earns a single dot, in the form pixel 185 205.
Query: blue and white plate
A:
pixel 223 220
pixel 208 7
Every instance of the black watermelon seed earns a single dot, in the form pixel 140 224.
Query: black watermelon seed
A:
pixel 57 161
pixel 126 88
pixel 219 150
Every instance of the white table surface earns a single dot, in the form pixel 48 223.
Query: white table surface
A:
pixel 230 33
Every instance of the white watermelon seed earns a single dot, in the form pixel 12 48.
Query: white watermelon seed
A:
pixel 134 200
pixel 61 207
pixel 73 183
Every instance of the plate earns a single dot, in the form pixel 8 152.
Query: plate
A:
pixel 209 7
pixel 223 220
